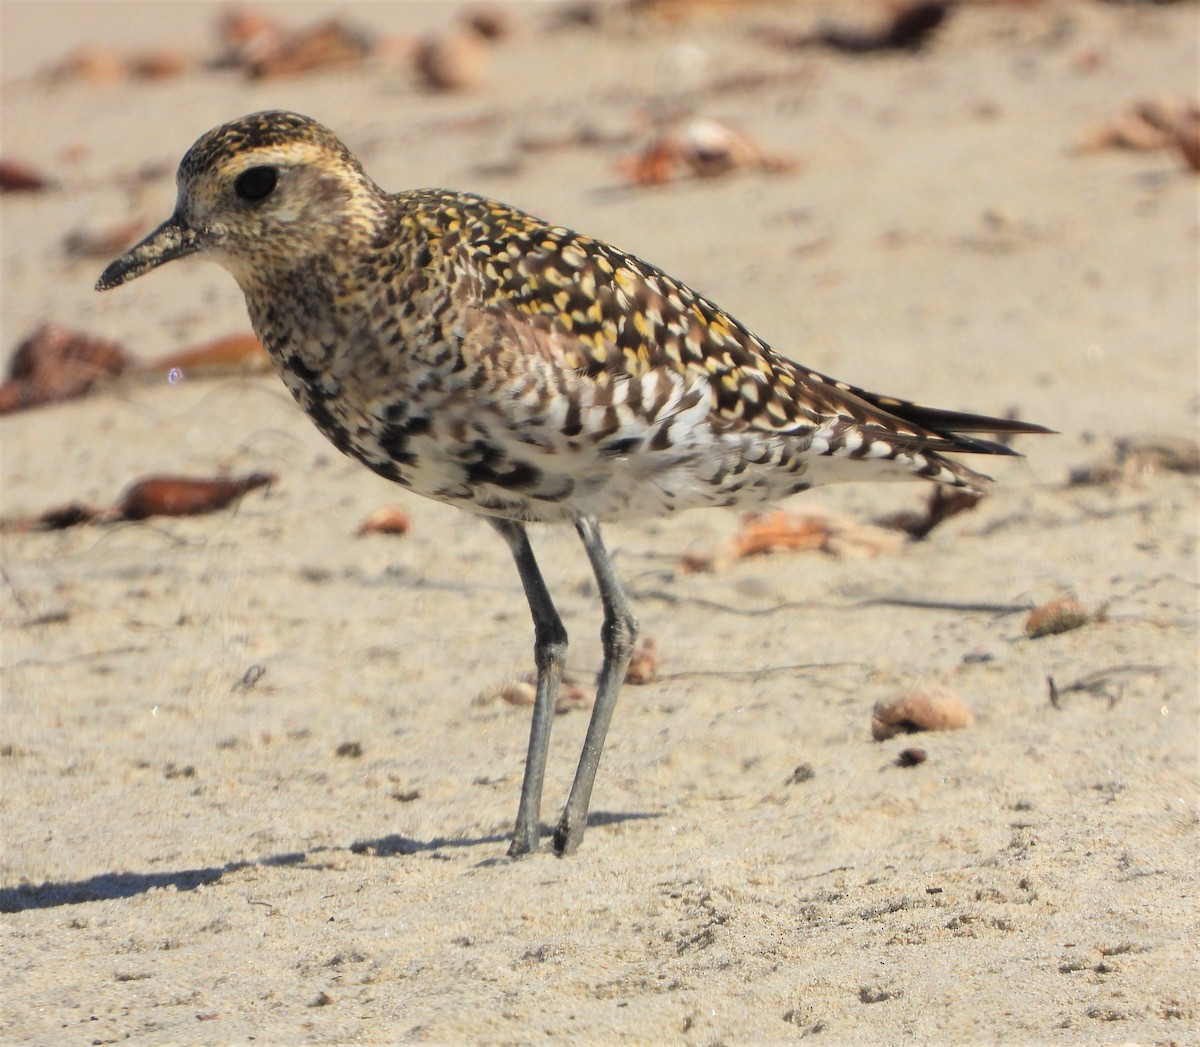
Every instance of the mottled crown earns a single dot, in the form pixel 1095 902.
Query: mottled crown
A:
pixel 271 128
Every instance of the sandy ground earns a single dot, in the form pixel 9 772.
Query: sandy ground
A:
pixel 188 856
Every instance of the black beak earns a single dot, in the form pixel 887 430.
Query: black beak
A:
pixel 173 239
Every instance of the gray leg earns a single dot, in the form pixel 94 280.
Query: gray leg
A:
pixel 618 635
pixel 550 653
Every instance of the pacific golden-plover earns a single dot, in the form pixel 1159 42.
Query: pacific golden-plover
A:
pixel 480 356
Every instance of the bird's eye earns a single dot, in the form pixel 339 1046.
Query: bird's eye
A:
pixel 256 183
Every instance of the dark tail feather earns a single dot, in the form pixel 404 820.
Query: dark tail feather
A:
pixel 952 423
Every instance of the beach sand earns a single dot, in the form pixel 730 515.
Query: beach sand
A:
pixel 255 784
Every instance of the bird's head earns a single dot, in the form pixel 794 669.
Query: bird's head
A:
pixel 264 192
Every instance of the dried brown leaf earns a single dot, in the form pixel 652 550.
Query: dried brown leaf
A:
pixel 55 363
pixel 185 496
pixel 385 520
pixel 19 177
pixel 234 352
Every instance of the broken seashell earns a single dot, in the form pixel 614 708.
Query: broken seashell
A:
pixel 934 709
pixel 1058 616
pixel 451 61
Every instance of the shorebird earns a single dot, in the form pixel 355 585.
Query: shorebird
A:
pixel 522 371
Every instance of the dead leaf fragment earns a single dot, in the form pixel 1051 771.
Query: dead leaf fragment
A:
pixel 55 363
pixel 1058 616
pixel 934 709
pixel 909 28
pixel 385 520
pixel 185 496
pixel 327 45
pixel 160 64
pixel 782 531
pixel 643 666
pixel 1149 124
pixel 101 243
pixel 944 502
pixel 241 28
pixel 1142 455
pixel 151 496
pixel 97 65
pixel 492 22
pixel 18 177
pixel 56 519
pixel 103 65
pixel 264 48
pixel 234 352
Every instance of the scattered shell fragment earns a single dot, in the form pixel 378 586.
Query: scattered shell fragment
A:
pixel 1058 616
pixel 451 61
pixel 522 690
pixel 934 709
pixel 55 363
pixel 643 666
pixel 711 149
pixel 704 148
pixel 385 520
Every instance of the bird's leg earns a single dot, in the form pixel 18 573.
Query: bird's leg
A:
pixel 618 635
pixel 550 654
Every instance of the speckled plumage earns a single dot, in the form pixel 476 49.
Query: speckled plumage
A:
pixel 482 357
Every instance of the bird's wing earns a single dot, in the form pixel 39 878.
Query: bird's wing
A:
pixel 615 315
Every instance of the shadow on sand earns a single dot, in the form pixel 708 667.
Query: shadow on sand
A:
pixel 111 885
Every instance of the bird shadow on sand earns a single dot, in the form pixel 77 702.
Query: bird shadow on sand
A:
pixel 51 894
pixel 386 846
